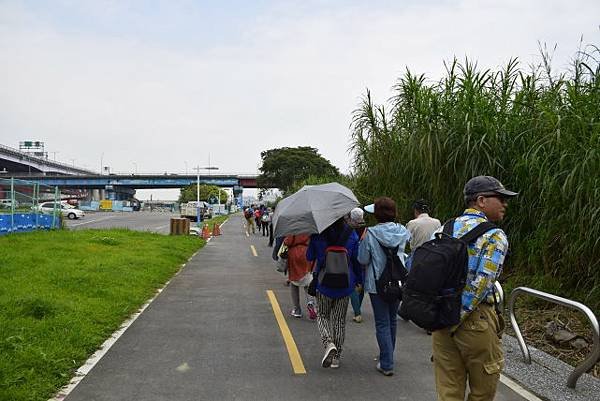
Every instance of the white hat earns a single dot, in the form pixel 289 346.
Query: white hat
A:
pixel 370 208
pixel 356 216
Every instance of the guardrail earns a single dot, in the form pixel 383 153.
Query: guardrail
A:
pixel 594 356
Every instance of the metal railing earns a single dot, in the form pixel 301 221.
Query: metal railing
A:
pixel 500 292
pixel 594 356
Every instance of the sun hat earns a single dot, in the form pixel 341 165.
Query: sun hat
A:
pixel 485 184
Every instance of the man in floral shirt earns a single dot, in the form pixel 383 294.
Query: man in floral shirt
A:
pixel 472 350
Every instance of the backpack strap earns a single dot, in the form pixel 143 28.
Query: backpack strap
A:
pixel 449 227
pixel 478 231
pixel 387 252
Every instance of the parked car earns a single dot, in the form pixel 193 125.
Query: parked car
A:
pixel 7 204
pixel 66 210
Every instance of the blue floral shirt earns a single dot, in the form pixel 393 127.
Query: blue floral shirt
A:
pixel 486 259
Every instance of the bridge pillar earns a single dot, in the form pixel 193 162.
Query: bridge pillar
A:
pixel 95 195
pixel 238 190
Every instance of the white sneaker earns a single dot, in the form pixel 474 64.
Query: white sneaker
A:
pixel 329 354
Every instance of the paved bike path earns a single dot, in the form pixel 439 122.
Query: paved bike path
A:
pixel 211 335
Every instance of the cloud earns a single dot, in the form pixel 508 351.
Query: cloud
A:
pixel 284 75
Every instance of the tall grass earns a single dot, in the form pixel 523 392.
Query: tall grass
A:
pixel 538 132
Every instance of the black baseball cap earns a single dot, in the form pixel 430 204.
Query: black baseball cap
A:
pixel 485 184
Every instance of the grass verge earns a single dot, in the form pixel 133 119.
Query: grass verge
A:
pixel 62 293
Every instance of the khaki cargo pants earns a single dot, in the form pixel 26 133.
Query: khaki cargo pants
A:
pixel 474 353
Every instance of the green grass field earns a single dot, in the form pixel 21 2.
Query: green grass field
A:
pixel 62 293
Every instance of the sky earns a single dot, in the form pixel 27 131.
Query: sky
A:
pixel 163 86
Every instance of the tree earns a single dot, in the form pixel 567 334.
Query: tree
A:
pixel 189 193
pixel 321 179
pixel 284 167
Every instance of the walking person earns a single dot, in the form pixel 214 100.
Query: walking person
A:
pixel 257 215
pixel 333 295
pixel 299 274
pixel 356 221
pixel 249 216
pixel 265 220
pixel 422 226
pixel 371 254
pixel 271 238
pixel 472 351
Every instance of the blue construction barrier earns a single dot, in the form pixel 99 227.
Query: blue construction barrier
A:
pixel 24 222
pixel 92 206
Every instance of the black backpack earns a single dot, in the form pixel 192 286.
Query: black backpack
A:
pixel 432 293
pixel 389 283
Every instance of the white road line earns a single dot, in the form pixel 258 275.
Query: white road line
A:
pixel 90 221
pixel 517 388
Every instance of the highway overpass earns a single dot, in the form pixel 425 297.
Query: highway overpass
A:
pixel 146 181
pixel 13 161
pixel 122 187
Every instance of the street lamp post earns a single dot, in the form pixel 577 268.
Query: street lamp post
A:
pixel 197 168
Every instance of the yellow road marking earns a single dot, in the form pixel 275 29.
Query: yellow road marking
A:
pixel 290 344
pixel 253 250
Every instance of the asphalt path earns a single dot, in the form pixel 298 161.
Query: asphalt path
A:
pixel 157 222
pixel 212 334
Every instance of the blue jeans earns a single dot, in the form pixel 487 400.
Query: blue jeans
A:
pixel 356 299
pixel 385 329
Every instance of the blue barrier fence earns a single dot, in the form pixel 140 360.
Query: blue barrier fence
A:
pixel 24 222
pixel 19 201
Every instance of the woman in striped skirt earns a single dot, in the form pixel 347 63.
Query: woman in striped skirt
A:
pixel 332 303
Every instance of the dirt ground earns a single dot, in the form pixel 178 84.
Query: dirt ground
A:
pixel 533 321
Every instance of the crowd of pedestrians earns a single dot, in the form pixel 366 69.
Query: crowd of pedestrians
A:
pixel 348 259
